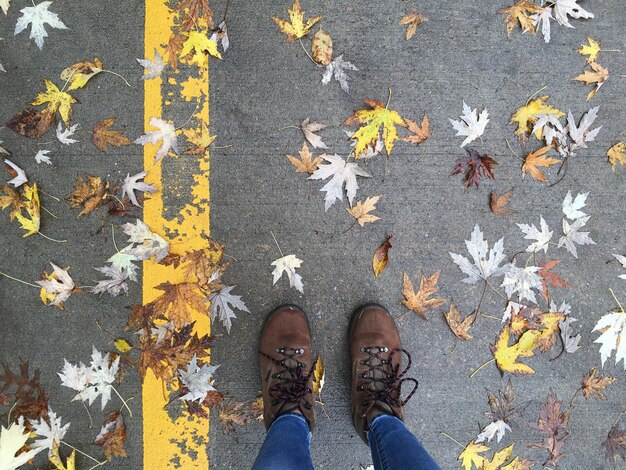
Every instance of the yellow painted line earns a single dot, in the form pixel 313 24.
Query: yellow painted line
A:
pixel 169 444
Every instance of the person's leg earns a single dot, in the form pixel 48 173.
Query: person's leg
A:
pixel 395 448
pixel 286 445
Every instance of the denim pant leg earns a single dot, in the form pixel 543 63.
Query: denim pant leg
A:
pixel 395 448
pixel 286 446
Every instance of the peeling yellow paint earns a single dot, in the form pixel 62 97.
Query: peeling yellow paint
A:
pixel 163 437
pixel 192 88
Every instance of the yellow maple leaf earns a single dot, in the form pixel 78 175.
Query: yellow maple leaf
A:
pixel 596 77
pixel 201 46
pixel 421 301
pixel 200 138
pixel 319 376
pixel 617 154
pixel 373 119
pixel 470 456
pixel 77 75
pixel 57 100
pixel 592 50
pixel 549 333
pixel 499 459
pixel 361 210
pixel 55 459
pixel 525 116
pixel 296 27
pixel 517 464
pixel 506 356
pixel 536 160
pixel 521 12
pixel 31 221
pixel 122 345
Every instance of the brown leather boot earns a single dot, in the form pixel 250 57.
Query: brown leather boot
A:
pixel 377 373
pixel 286 367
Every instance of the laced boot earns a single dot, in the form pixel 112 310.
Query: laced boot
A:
pixel 285 363
pixel 377 374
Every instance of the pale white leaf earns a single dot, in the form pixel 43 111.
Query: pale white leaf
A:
pixel 42 157
pixel 565 8
pixel 166 135
pixel 570 339
pixel 12 439
pixel 116 283
pixel 50 431
pixel 541 238
pixel 622 261
pixel 222 304
pixel 133 183
pixel 341 174
pixel 154 68
pixel 38 16
pixel 337 69
pixel 495 429
pixel 63 135
pixel 197 380
pixel 61 287
pixel 20 178
pixel 572 206
pixel 572 235
pixel 144 243
pixel 471 124
pixel 613 337
pixel 485 261
pixel 521 281
pixel 310 129
pixel 288 265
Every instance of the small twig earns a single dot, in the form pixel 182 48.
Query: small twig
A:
pixel 289 127
pixel 113 237
pixel 130 413
pixel 490 316
pixel 486 363
pixel 536 93
pixel 51 214
pixel 276 241
pixel 82 453
pixel 617 419
pixel 9 415
pixel 451 438
pixel 19 280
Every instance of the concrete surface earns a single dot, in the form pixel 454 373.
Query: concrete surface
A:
pixel 461 53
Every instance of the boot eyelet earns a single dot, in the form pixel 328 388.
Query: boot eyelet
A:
pixel 384 349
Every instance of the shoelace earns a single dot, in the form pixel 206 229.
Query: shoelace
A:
pixel 292 382
pixel 389 391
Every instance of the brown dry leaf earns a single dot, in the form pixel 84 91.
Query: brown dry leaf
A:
pixel 77 75
pixel 32 123
pixel 322 48
pixel 420 133
pixel 617 154
pixel 412 21
pixel 27 394
pixel 517 464
pixel 499 203
pixel 536 160
pixel 306 163
pixel 112 436
pixel 194 12
pixel 381 256
pixel 552 427
pixel 89 194
pixel 421 301
pixel 103 135
pixel 12 198
pixel 206 265
pixel 458 327
pixel 597 77
pixel 361 210
pixel 236 413
pixel 550 278
pixel 179 301
pixel 173 48
pixel 521 12
pixel 615 444
pixel 296 27
pixel 549 324
pixel 593 383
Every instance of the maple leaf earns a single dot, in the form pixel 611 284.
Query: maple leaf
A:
pixel 26 392
pixel 195 11
pixel 381 256
pixel 372 120
pixel 471 124
pixel 31 221
pixel 420 133
pixel 32 123
pixel 543 20
pixel 507 356
pixel 565 8
pixel 5 5
pixel 19 175
pixel 474 165
pixel 517 464
pixel 12 440
pixel 341 173
pixel 495 429
pixel 322 48
pixel 42 157
pixel 486 261
pixel 306 163
pixel 234 414
pixel 502 408
pixel 536 160
pixel 572 206
pixel 582 133
pixel 288 265
pixel 50 430
pixel 222 304
pixel 552 426
pixel 572 235
pixel 412 20
pixel 593 384
pixel 337 70
pixel 470 455
pixel 154 68
pixel 77 75
pixel 569 337
pixel 115 285
pixel 526 116
pixel 550 278
pixel 201 46
pixel 132 184
pixel 166 135
pixel 549 324
pixel 197 380
pixel 103 135
pixel 173 48
pixel 458 327
pixel 498 459
pixel 542 238
pixel 521 12
pixel 615 443
pixel 296 27
pixel 592 50
pixel 200 138
pixel 498 203
pixel 521 281
pixel 422 301
pixel 112 435
pixel 613 337
pixel 63 136
pixel 620 258
pixel 361 211
pixel 55 459
pixel 221 36
pixel 309 130
pixel 180 301
pixel 56 100
pixel 617 154
pixel 13 199
pixel 38 16
pixel 597 77
pixel 89 194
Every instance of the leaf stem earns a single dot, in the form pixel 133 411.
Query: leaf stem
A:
pixel 190 117
pixel 513 151
pixel 289 127
pixel 617 301
pixel 49 195
pixel 536 93
pixel 51 214
pixel 388 98
pixel 451 438
pixel 130 413
pixel 307 54
pixel 117 75
pixel 83 453
pixel 486 363
pixel 276 241
pixel 19 280
pixel 482 296
pixel 51 239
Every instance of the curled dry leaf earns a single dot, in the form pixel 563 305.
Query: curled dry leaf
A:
pixel 361 210
pixel 306 163
pixel 596 77
pixel 381 256
pixel 32 123
pixel 89 194
pixel 521 12
pixel 322 48
pixel 552 426
pixel 593 384
pixel 421 301
pixel 103 135
pixel 412 21
pixel 319 376
pixel 309 130
pixel 549 278
pixel 536 160
pixel 615 444
pixel 458 327
pixel 77 75
pixel 420 133
pixel 617 154
pixel 499 203
pixel 236 413
pixel 112 436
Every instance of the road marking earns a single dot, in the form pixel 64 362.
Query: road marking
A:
pixel 167 443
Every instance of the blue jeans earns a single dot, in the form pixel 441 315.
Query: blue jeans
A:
pixel 393 447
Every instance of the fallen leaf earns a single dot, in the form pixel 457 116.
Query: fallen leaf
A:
pixel 112 436
pixel 89 194
pixel 549 323
pixel 361 210
pixel 132 184
pixel 342 174
pixel 473 166
pixel 507 356
pixel 613 337
pixel 526 116
pixel 552 426
pixel 25 392
pixel 166 135
pixel 195 12
pixel 55 459
pixel 458 327
pixel 597 77
pixel 77 75
pixel 592 50
pixel 420 133
pixel 322 48
pixel 499 459
pixel 521 12
pixel 19 175
pixel 593 384
pixel 103 135
pixel 32 220
pixel 32 123
pixel 56 100
pixel 485 261
pixel 337 70
pixel 13 439
pixel 617 154
pixel 549 278
pixel 306 163
pixel 422 301
pixel 615 444
pixel 56 287
pixel 173 48
pixel 154 68
pixel 42 157
pixel 499 203
pixel 381 256
pixel 200 47
pixel 200 138
pixel 296 28
pixel 38 16
pixel 536 160
pixel 564 8
pixel 470 456
pixel 412 21
pixel 11 198
pixel 222 303
pixel 221 36
pixel 472 125
pixel 288 265
pixel 236 413
pixel 309 130
pixel 319 376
